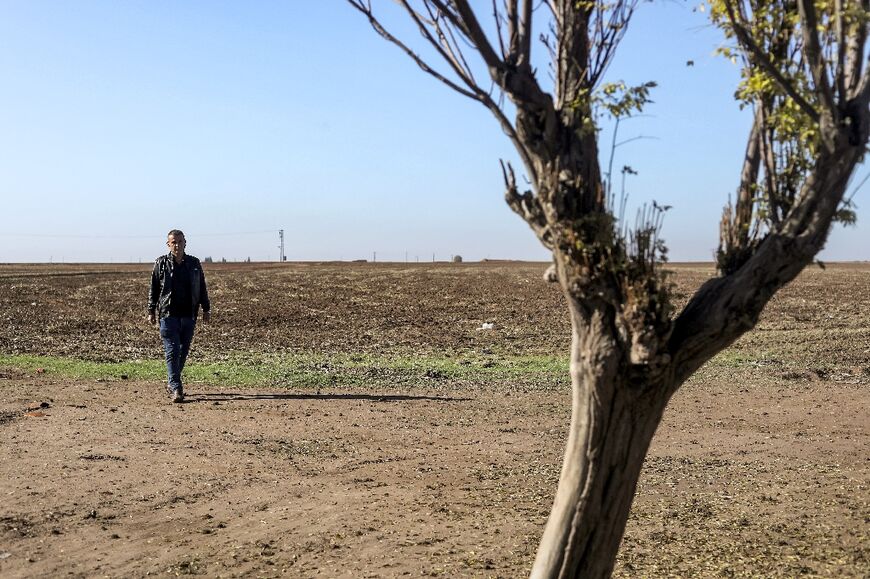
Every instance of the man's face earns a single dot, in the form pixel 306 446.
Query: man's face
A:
pixel 176 245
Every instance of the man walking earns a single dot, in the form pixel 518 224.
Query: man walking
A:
pixel 177 291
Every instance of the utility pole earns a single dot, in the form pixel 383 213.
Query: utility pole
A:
pixel 281 247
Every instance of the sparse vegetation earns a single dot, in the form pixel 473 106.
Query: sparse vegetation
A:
pixel 307 450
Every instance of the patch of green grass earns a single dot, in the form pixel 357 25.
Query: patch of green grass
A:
pixel 736 358
pixel 75 368
pixel 315 371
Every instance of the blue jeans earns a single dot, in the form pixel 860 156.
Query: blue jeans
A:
pixel 177 334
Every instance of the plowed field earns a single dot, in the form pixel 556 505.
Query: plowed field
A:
pixel 399 437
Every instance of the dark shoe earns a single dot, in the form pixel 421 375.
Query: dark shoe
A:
pixel 178 396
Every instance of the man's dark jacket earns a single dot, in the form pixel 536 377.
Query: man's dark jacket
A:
pixel 161 285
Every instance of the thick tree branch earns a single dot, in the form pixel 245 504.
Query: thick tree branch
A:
pixel 519 32
pixel 813 53
pixel 513 20
pixel 842 48
pixel 518 82
pixel 573 51
pixel 855 64
pixel 524 48
pixel 725 308
pixel 734 238
pixel 771 184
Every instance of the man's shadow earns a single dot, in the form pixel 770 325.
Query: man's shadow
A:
pixel 240 396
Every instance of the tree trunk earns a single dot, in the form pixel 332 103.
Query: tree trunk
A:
pixel 612 423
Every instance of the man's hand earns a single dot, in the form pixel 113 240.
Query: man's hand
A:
pixel 206 317
pixel 152 318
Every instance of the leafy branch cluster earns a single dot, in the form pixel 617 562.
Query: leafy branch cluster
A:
pixel 799 72
pixel 620 100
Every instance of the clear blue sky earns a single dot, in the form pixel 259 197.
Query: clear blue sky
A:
pixel 232 120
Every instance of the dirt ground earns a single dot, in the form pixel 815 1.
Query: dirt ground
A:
pixel 760 468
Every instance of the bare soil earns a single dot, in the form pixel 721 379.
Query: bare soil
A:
pixel 761 466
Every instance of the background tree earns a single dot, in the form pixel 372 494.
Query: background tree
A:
pixel 804 74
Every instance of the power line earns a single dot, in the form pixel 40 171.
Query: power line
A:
pixel 156 235
pixel 261 232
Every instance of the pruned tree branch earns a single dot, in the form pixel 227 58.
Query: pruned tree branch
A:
pixel 511 73
pixel 527 206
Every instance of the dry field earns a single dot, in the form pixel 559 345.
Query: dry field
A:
pixel 406 441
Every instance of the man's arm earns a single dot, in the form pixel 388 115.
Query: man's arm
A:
pixel 153 296
pixel 203 297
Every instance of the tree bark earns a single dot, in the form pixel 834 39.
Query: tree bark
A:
pixel 612 423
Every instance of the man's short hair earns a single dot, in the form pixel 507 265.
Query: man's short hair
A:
pixel 176 233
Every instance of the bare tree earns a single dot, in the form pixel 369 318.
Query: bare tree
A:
pixel 806 77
